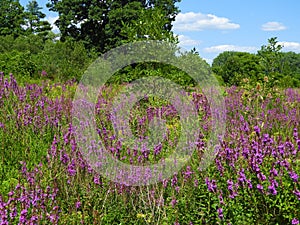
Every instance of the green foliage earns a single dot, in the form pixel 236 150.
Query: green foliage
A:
pixel 100 23
pixel 233 67
pixel 64 60
pixel 196 70
pixel 282 69
pixel 149 25
pixel 12 17
pixel 34 22
pixel 28 56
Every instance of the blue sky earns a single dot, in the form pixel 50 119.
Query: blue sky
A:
pixel 213 26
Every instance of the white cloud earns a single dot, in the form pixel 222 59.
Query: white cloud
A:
pixel 209 61
pixel 51 20
pixel 197 22
pixel 187 41
pixel 273 26
pixel 290 46
pixel 222 48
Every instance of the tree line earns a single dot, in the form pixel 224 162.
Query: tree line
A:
pixel 89 28
pixel 270 64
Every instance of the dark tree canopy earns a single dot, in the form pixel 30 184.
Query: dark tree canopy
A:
pixel 100 23
pixel 12 18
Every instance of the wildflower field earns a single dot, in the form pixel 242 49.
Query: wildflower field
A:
pixel 44 178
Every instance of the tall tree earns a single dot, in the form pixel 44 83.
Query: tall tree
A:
pixel 100 22
pixel 272 59
pixel 12 18
pixel 34 19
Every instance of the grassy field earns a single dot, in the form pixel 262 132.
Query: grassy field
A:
pixel 45 179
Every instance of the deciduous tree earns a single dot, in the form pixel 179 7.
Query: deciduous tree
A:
pixel 100 23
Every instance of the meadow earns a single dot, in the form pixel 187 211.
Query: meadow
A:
pixel 45 179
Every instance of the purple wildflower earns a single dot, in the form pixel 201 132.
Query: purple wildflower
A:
pixel 297 193
pixel 260 187
pixel 157 149
pixel 23 216
pixel 220 213
pixel 257 130
pixel 96 180
pixel 272 189
pixel 230 185
pixel 261 176
pixel 242 177
pixel 196 183
pixel 174 180
pixel 44 73
pixel 274 172
pixel 77 204
pixel 295 221
pixel 294 176
pixel 188 173
pixel 249 184
pixel 71 168
pixel 173 202
pixel 211 185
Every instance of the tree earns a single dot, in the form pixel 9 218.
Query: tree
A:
pixel 271 59
pixel 11 18
pixel 291 68
pixel 150 25
pixel 34 16
pixel 100 24
pixel 233 67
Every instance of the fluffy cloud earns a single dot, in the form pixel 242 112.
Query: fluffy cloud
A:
pixel 51 20
pixel 290 46
pixel 197 21
pixel 222 48
pixel 187 41
pixel 273 26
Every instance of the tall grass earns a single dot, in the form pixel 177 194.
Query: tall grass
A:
pixel 45 178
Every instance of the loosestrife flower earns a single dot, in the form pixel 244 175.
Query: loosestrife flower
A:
pixel 272 189
pixel 257 130
pixel 77 204
pixel 173 202
pixel 294 176
pixel 23 216
pixel 44 73
pixel 220 213
pixel 211 185
pixel 260 187
pixel 274 172
pixel 297 193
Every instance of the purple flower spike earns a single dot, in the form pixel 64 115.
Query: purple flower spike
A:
pixel 77 204
pixel 297 193
pixel 257 130
pixel 220 213
pixel 294 176
pixel 260 187
pixel 272 189
pixel 295 221
pixel 274 172
pixel 173 202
